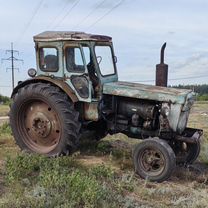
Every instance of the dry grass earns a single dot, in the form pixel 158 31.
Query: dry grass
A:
pixel 4 110
pixel 186 188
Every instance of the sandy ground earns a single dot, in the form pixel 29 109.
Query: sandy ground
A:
pixel 4 119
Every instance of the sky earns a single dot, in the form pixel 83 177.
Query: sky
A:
pixel 139 28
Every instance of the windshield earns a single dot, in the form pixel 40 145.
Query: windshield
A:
pixel 105 60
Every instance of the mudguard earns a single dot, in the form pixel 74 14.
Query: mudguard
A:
pixel 54 81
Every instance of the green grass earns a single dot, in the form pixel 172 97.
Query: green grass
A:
pixel 37 181
pixel 101 176
pixel 5 129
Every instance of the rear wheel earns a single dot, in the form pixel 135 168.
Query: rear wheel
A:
pixel 154 160
pixel 43 120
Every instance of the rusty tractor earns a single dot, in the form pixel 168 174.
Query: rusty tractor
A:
pixel 75 89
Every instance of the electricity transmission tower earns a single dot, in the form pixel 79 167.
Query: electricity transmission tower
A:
pixel 12 59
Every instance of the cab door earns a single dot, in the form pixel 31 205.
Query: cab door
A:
pixel 75 71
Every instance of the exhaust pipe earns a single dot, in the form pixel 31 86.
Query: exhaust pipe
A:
pixel 162 70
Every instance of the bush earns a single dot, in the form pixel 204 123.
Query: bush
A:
pixel 203 97
pixel 23 166
pixel 102 172
pixel 52 182
pixel 78 187
pixel 5 100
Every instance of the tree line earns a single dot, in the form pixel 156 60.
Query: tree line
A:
pixel 201 90
pixel 4 100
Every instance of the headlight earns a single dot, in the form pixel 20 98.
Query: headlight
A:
pixel 32 72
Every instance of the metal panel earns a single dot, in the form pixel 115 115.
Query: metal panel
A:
pixel 148 92
pixel 69 35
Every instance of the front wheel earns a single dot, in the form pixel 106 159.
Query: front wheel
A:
pixel 186 153
pixel 43 120
pixel 154 160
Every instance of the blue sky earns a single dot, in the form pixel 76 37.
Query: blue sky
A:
pixel 138 28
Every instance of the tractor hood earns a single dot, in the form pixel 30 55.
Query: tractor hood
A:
pixel 148 92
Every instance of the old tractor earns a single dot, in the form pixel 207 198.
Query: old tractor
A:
pixel 75 89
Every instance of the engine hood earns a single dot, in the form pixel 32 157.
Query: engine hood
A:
pixel 148 92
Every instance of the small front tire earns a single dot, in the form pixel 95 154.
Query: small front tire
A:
pixel 186 153
pixel 154 159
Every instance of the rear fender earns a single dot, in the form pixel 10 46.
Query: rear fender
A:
pixel 56 82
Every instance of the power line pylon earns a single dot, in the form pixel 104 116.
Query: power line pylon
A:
pixel 12 59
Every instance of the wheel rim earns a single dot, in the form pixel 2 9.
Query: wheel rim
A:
pixel 152 162
pixel 39 126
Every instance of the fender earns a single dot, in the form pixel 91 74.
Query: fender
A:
pixel 54 81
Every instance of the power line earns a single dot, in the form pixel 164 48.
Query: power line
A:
pixel 64 17
pixel 174 79
pixel 89 14
pixel 60 12
pixel 12 59
pixel 107 13
pixel 30 20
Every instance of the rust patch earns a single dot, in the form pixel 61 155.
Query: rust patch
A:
pixel 69 35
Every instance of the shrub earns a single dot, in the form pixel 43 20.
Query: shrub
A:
pixel 56 182
pixel 102 172
pixel 5 100
pixel 22 166
pixel 203 97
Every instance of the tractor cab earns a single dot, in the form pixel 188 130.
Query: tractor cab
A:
pixel 84 61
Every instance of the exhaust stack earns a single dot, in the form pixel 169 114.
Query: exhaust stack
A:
pixel 162 70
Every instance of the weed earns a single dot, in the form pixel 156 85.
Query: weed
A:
pixel 5 129
pixel 104 147
pixel 102 172
pixel 57 181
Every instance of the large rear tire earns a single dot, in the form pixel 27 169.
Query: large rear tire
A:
pixel 43 120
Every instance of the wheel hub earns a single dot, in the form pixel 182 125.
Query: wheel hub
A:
pixel 41 125
pixel 152 161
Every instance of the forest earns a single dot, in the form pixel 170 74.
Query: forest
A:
pixel 201 90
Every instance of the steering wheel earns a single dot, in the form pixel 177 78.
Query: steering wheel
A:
pixel 99 57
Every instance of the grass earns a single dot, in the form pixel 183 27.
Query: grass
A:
pixel 4 110
pixel 102 176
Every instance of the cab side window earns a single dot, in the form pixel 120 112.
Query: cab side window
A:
pixel 74 61
pixel 48 59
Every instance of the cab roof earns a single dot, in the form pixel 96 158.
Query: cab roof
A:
pixel 69 35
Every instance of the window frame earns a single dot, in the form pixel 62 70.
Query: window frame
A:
pixel 112 54
pixel 83 59
pixel 40 58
